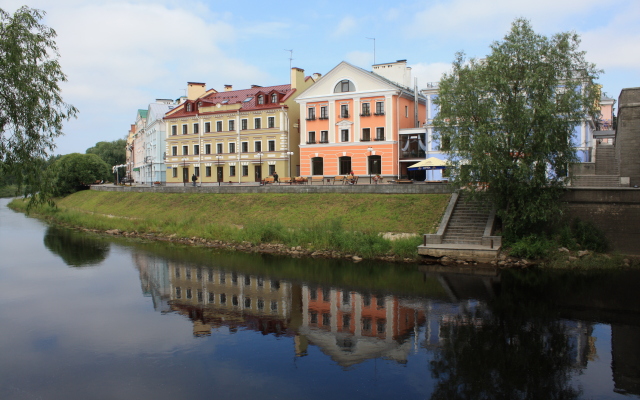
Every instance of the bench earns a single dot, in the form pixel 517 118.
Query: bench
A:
pixel 405 181
pixel 285 180
pixel 300 180
pixel 312 179
pixel 268 180
pixel 340 179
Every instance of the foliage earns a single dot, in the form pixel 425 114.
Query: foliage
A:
pixel 113 153
pixel 532 247
pixel 32 111
pixel 75 171
pixel 506 122
pixel 589 236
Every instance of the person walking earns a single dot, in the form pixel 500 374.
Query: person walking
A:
pixel 194 178
pixel 275 177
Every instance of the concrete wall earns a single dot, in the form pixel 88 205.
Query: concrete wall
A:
pixel 232 189
pixel 616 211
pixel 628 134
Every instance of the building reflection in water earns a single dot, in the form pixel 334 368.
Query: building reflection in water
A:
pixel 349 326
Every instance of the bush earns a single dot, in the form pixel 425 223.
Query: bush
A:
pixel 74 172
pixel 532 246
pixel 589 236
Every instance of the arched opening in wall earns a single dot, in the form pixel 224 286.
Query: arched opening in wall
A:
pixel 317 166
pixel 344 86
pixel 344 164
pixel 375 165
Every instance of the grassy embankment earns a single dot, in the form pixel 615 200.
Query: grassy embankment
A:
pixel 348 223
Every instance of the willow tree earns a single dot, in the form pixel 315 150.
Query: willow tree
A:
pixel 32 111
pixel 506 122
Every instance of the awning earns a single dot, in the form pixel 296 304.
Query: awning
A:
pixel 429 163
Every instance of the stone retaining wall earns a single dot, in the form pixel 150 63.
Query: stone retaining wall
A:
pixel 418 188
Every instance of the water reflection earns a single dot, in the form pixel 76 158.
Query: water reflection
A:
pixel 75 248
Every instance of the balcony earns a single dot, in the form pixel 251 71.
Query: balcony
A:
pixel 365 139
pixel 365 114
pixel 379 139
pixel 324 140
pixel 311 142
pixel 344 115
pixel 311 118
pixel 379 113
pixel 323 117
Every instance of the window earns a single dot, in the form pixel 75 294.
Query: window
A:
pixel 271 122
pixel 274 98
pixel 207 126
pixel 196 171
pixel 366 134
pixel 380 133
pixel 178 293
pixel 174 172
pixel 406 111
pixel 261 99
pixel 381 325
pixel 184 129
pixel 323 113
pixel 379 108
pixel 218 126
pixel 207 171
pixel 344 111
pixel 346 321
pixel 366 324
pixel 174 130
pixel 326 319
pixel 344 135
pixel 223 298
pixel 311 114
pixel 260 304
pixel 312 138
pixel 274 305
pixel 313 317
pixel 324 136
pixel 243 124
pixel 219 148
pixel 344 86
pixel 232 147
pixel 345 165
pixel 375 165
pixel 207 149
pixel 196 128
pixel 245 147
pixel 366 110
pixel 317 166
pixel 188 107
pixel 174 151
pixel 272 169
pixel 185 150
pixel 271 145
pixel 257 123
pixel 232 170
pixel 245 170
pixel 247 302
pixel 257 147
pixel 232 125
pixel 196 149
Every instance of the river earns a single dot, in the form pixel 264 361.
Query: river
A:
pixel 83 316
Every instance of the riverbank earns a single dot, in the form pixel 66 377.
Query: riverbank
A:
pixel 360 226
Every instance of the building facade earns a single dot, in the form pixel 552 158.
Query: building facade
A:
pixel 357 120
pixel 153 168
pixel 235 135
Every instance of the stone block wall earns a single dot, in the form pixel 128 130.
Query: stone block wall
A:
pixel 628 135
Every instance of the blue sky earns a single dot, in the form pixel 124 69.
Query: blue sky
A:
pixel 121 55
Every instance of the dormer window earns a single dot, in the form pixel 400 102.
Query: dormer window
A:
pixel 188 107
pixel 344 86
pixel 274 98
pixel 261 99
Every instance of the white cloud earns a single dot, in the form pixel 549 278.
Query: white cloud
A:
pixel 429 72
pixel 346 26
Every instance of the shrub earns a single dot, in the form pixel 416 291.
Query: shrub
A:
pixel 589 236
pixel 532 246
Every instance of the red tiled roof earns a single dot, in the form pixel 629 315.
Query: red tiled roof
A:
pixel 234 97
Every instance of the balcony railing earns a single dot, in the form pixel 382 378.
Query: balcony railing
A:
pixel 365 114
pixel 311 118
pixel 379 113
pixel 324 140
pixel 379 138
pixel 365 139
pixel 323 117
pixel 344 115
pixel 311 142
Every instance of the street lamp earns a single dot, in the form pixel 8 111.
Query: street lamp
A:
pixel 370 149
pixel 261 179
pixel 184 166
pixel 218 157
pixel 290 153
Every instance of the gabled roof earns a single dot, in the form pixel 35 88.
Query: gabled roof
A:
pixel 335 72
pixel 142 113
pixel 158 110
pixel 247 98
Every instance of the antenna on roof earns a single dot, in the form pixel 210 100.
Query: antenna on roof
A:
pixel 290 57
pixel 374 49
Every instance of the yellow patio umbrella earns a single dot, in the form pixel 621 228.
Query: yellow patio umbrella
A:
pixel 429 163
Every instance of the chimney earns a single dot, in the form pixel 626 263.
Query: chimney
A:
pixel 297 78
pixel 228 88
pixel 195 90
pixel 316 76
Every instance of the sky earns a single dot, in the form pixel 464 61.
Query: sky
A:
pixel 121 55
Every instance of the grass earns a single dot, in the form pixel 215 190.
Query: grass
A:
pixel 9 191
pixel 347 223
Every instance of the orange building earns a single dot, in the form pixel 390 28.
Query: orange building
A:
pixel 351 120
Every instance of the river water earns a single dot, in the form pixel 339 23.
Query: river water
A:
pixel 88 317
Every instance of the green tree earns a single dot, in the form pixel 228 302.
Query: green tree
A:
pixel 113 153
pixel 75 171
pixel 506 122
pixel 32 111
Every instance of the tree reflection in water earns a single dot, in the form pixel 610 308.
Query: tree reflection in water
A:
pixel 514 349
pixel 76 249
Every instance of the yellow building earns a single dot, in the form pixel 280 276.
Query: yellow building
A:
pixel 236 135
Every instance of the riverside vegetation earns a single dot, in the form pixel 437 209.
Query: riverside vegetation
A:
pixel 325 225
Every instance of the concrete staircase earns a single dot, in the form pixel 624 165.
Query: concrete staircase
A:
pixel 467 222
pixel 465 233
pixel 605 172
